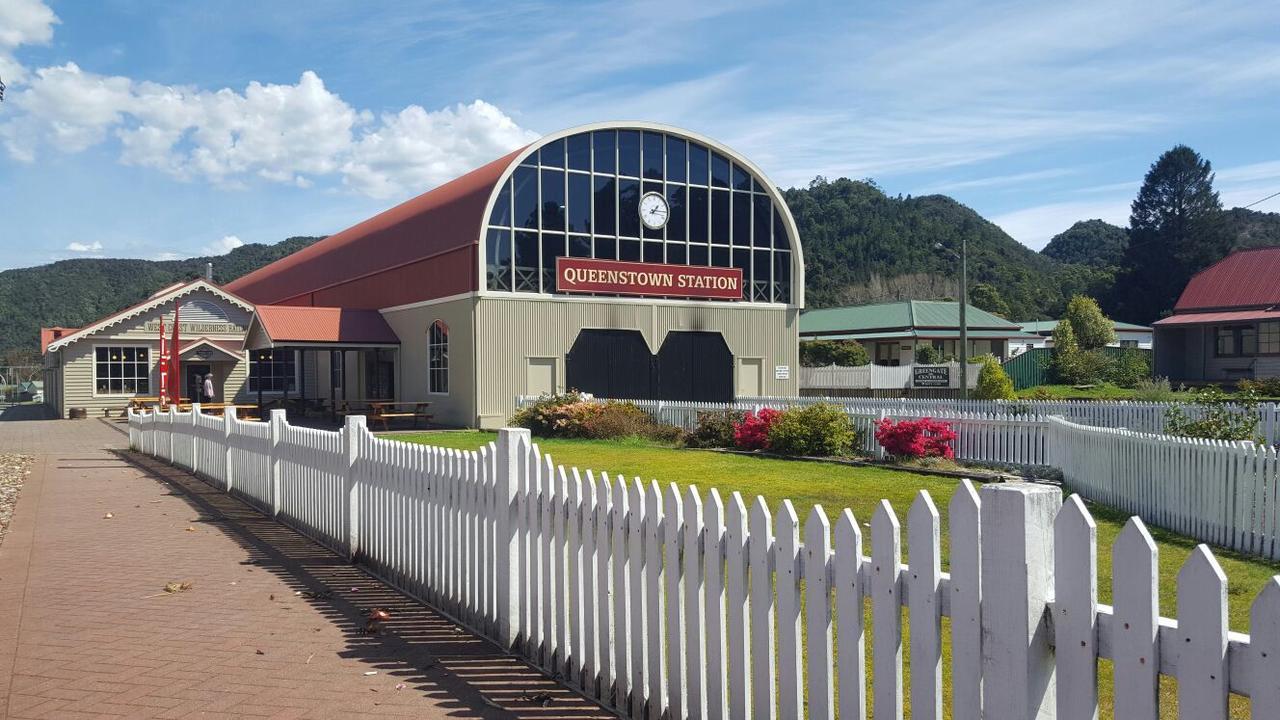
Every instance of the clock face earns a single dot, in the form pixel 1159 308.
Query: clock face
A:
pixel 654 211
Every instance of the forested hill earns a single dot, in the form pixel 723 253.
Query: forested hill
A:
pixel 862 246
pixel 75 292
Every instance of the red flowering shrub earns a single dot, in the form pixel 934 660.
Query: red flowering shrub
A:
pixel 921 438
pixel 752 433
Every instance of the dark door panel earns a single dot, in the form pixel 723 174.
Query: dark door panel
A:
pixel 696 366
pixel 610 364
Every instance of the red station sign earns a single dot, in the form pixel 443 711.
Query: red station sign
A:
pixel 583 275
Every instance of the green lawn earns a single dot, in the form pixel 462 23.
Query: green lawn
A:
pixel 836 487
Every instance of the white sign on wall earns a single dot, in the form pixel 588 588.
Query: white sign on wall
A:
pixel 782 372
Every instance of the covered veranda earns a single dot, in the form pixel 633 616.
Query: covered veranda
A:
pixel 321 362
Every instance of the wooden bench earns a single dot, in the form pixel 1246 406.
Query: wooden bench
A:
pixel 388 411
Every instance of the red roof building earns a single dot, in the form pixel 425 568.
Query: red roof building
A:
pixel 1226 324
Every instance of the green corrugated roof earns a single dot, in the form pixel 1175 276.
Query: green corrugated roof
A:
pixel 905 314
pixel 925 334
pixel 1050 325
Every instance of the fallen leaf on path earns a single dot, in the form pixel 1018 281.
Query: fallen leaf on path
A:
pixel 177 587
pixel 108 516
pixel 259 652
pixel 372 672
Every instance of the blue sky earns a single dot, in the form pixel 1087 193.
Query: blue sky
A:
pixel 157 129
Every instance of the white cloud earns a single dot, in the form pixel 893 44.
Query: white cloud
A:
pixel 290 134
pixel 78 247
pixel 418 148
pixel 223 246
pixel 22 22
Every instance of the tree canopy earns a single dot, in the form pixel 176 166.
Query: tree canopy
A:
pixel 1095 243
pixel 1092 329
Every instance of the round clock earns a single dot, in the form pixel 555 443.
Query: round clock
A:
pixel 654 211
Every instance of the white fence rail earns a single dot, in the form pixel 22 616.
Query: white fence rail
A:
pixel 662 601
pixel 1131 415
pixel 878 377
pixel 1226 493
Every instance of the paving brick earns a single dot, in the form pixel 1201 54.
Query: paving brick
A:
pixel 86 629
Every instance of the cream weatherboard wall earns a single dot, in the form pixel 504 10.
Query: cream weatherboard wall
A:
pixel 518 337
pixel 74 363
pixel 458 406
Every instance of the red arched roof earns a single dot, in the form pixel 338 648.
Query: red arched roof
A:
pixel 1243 279
pixel 382 261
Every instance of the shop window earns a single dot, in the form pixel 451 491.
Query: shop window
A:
pixel 1269 338
pixel 1237 341
pixel 578 149
pixel 675 159
pixel 525 182
pixel 653 156
pixel 629 208
pixel 741 219
pixel 699 211
pixel 629 153
pixel 273 371
pixel 677 220
pixel 122 370
pixel 501 214
pixel 552 200
pixel 719 170
pixel 438 358
pixel 552 154
pixel 720 217
pixel 699 164
pixel 606 212
pixel 760 222
pixel 578 209
pixel 741 180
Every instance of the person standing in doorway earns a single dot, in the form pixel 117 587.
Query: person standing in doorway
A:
pixel 208 388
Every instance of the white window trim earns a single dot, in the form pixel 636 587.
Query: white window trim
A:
pixel 152 365
pixel 448 379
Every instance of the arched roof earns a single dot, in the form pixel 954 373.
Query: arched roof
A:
pixel 431 246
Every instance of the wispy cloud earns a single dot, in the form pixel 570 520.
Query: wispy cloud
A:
pixel 79 247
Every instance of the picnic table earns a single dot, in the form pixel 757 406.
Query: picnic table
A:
pixel 387 410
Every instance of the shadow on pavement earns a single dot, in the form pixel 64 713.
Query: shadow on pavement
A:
pixel 469 675
pixel 18 413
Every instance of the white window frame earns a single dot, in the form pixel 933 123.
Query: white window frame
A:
pixel 1269 328
pixel 249 379
pixel 152 359
pixel 431 345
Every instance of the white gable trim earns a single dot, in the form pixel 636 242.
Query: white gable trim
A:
pixel 146 306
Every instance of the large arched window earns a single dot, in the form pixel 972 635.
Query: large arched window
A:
pixel 579 196
pixel 438 358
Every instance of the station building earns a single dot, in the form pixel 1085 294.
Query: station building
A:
pixel 628 260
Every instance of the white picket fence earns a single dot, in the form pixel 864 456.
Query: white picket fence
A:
pixel 877 377
pixel 1226 493
pixel 662 601
pixel 1132 415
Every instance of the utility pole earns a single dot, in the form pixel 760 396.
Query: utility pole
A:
pixel 964 325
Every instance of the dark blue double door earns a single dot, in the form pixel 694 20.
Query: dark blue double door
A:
pixel 696 366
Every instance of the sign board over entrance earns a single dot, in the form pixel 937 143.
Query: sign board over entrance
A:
pixel 931 376
pixel 582 275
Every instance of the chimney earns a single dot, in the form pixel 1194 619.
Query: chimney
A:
pixel 208 271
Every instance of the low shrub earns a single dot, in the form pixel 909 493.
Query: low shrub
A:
pixel 569 415
pixel 714 429
pixel 1153 390
pixel 921 438
pixel 752 433
pixel 562 415
pixel 1266 387
pixel 1215 416
pixel 616 419
pixel 819 430
pixel 993 382
pixel 928 355
pixel 1130 367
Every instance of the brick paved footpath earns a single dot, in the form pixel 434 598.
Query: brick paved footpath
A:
pixel 86 629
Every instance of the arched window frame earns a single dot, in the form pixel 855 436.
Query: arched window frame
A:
pixel 438 358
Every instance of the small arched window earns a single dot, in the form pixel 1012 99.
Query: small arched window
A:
pixel 438 358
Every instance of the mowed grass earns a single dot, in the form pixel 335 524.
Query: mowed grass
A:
pixel 860 489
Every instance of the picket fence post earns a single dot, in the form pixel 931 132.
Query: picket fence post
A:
pixel 195 427
pixel 351 434
pixel 275 432
pixel 511 458
pixel 228 424
pixel 1017 580
pixel 173 413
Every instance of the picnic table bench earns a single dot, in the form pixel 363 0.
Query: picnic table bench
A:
pixel 386 411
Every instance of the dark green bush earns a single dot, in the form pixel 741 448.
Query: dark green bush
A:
pixel 928 355
pixel 714 429
pixel 845 353
pixel 819 430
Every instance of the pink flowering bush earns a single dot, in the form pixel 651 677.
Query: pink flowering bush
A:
pixel 921 438
pixel 752 432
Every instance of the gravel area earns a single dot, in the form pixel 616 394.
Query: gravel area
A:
pixel 13 470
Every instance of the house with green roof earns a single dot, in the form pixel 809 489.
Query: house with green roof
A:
pixel 1127 335
pixel 892 331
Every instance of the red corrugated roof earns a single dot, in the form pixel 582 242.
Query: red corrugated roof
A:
pixel 48 335
pixel 1243 279
pixel 445 219
pixel 298 324
pixel 1195 318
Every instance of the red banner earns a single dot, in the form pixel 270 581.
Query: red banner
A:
pixel 582 275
